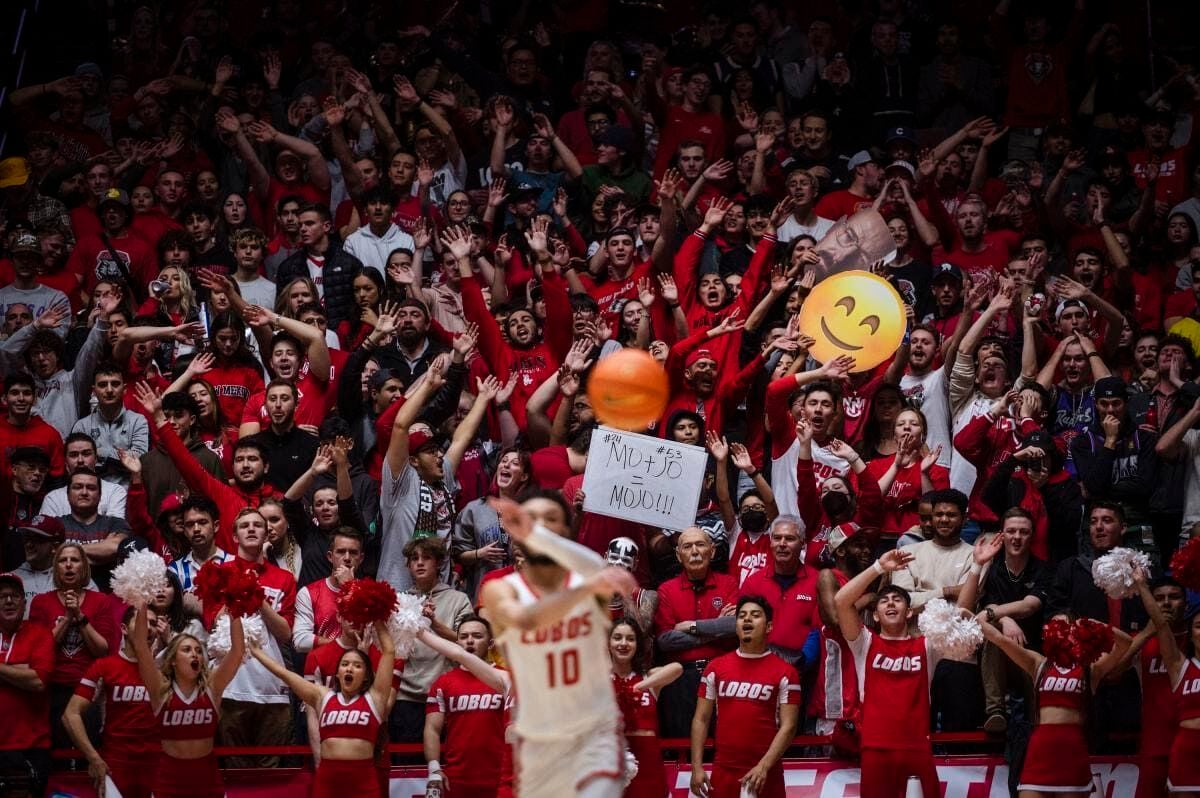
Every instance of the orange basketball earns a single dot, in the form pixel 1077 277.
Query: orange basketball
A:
pixel 628 390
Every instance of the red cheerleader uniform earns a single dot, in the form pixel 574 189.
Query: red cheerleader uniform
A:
pixel 188 718
pixel 1057 757
pixel 640 708
pixel 356 719
pixel 1183 767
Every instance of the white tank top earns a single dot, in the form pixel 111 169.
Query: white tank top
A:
pixel 561 673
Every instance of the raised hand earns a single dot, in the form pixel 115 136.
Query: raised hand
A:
pixel 256 316
pixel 929 460
pixel 781 211
pixel 536 236
pixel 578 356
pixel 718 171
pixel 559 205
pixel 443 99
pixel 668 289
pixel 130 461
pixel 149 398
pixel 466 340
pixel 894 560
pixel 261 132
pixel 568 382
pixel 764 142
pixel 669 184
pixel 487 388
pixel 425 173
pixel 503 112
pixel 227 121
pixel 717 445
pixel 727 325
pixel 406 94
pixel 804 430
pixel 543 126
pixel 496 192
pixel 273 70
pixel 838 368
pixel 323 461
pixel 985 549
pixel 201 364
pixel 740 456
pixel 458 241
pixel 645 292
pixel 54 315
pixel 839 448
pixel 401 273
pixel 716 212
pixel 506 390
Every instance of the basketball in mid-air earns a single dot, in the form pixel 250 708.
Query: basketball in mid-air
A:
pixel 628 390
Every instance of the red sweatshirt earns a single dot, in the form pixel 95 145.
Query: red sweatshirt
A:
pixel 230 500
pixel 986 443
pixel 869 511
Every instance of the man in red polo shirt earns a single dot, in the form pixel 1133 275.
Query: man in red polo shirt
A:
pixel 865 175
pixel 791 589
pixel 693 624
pixel 26 660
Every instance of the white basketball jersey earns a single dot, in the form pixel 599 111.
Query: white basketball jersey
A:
pixel 561 673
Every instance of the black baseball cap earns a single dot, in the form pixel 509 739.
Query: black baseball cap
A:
pixel 1110 388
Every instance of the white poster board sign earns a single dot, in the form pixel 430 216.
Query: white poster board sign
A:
pixel 647 480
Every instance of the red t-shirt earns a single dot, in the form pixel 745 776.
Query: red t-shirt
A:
pixel 795 606
pixel 894 677
pixel 748 691
pixel 988 262
pixel 749 556
pixel 36 433
pixel 234 385
pixel 92 260
pixel 1173 175
pixel 129 723
pixel 680 125
pixel 1180 303
pixel 679 600
pixel 900 502
pixel 1160 716
pixel 551 467
pixel 72 659
pixel 473 726
pixel 152 225
pixel 311 406
pixel 26 713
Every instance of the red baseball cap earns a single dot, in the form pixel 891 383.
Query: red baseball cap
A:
pixel 11 577
pixel 697 356
pixel 45 527
pixel 420 438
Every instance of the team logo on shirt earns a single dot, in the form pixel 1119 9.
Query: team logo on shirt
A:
pixel 469 703
pixel 751 690
pixel 718 602
pixel 129 693
pixel 896 664
pixel 1191 687
pixel 1039 65
pixel 188 717
pixel 346 717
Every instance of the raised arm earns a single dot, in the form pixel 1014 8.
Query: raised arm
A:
pixel 318 170
pixel 1173 658
pixel 567 553
pixel 849 621
pixel 224 673
pixel 153 678
pixel 495 678
pixel 464 434
pixel 308 692
pixel 397 452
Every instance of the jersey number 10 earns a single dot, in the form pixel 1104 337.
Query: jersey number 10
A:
pixel 563 667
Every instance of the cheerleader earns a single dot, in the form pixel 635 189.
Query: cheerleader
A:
pixel 637 696
pixel 1183 667
pixel 184 696
pixel 1056 759
pixel 350 715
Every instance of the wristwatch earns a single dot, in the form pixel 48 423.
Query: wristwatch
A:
pixel 991 614
pixel 692 629
pixel 82 621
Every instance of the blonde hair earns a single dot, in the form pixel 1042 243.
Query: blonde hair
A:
pixel 288 548
pixel 85 570
pixel 187 294
pixel 284 297
pixel 168 662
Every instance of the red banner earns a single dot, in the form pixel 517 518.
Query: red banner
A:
pixel 962 777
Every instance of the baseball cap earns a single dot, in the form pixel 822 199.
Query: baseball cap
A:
pixel 117 195
pixel 13 172
pixel 523 188
pixel 840 534
pixel 698 355
pixel 859 159
pixel 901 166
pixel 44 527
pixel 89 68
pixel 1039 438
pixel 419 439
pixel 947 270
pixel 13 579
pixel 27 242
pixel 171 503
pixel 1068 303
pixel 1110 388
pixel 130 545
pixel 901 134
pixel 29 454
pixel 279 156
pixel 617 136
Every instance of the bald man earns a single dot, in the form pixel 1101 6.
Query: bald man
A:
pixel 694 624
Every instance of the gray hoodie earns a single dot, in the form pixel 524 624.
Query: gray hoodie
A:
pixel 58 397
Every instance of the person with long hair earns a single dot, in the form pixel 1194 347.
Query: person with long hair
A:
pixel 479 543
pixel 178 299
pixel 1056 759
pixel 282 547
pixel 82 624
pixel 185 698
pixel 369 288
pixel 212 426
pixel 171 617
pixel 350 715
pixel 879 430
pixel 909 473
pixel 228 365
pixel 1182 663
pixel 637 695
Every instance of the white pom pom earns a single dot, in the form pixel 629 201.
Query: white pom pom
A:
pixel 948 631
pixel 631 767
pixel 219 643
pixel 1113 572
pixel 406 621
pixel 140 578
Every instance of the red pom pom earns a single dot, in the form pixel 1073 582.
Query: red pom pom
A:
pixel 1185 565
pixel 210 584
pixel 232 586
pixel 365 601
pixel 1057 644
pixel 1092 640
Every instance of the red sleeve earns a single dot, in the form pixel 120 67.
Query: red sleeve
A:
pixel 733 390
pixel 665 616
pixel 202 482
pixel 870 500
pixel 938 215
pixel 92 678
pixel 752 280
pixel 575 242
pixel 517 274
pixel 287 609
pixel 310 664
pixel 779 416
pixel 807 498
pixel 54 445
pixel 687 261
pixel 972 440
pixel 940 477
pixel 678 354
pixel 102 619
pixel 491 342
pixel 41 654
pixel 558 328
pixel 40 610
pixel 137 513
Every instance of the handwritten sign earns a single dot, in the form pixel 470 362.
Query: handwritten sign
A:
pixel 643 479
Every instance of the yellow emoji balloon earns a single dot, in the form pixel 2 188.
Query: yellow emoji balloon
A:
pixel 854 313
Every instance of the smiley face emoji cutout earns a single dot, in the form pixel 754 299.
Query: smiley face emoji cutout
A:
pixel 854 313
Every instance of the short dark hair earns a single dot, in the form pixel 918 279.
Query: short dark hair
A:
pixel 83 437
pixel 86 471
pixel 1017 512
pixel 347 532
pixel 378 193
pixel 311 307
pixel 198 209
pixel 318 208
pixel 201 504
pixel 180 402
pixel 287 199
pixel 947 496
pixel 893 590
pixel 474 619
pixel 1104 504
pixel 251 442
pixel 753 598
pixel 108 368
pixel 19 378
pixel 1170 339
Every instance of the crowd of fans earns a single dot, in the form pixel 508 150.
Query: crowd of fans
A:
pixel 351 268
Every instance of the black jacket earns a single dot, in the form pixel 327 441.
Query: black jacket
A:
pixel 338 283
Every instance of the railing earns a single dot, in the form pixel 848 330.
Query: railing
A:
pixel 16 17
